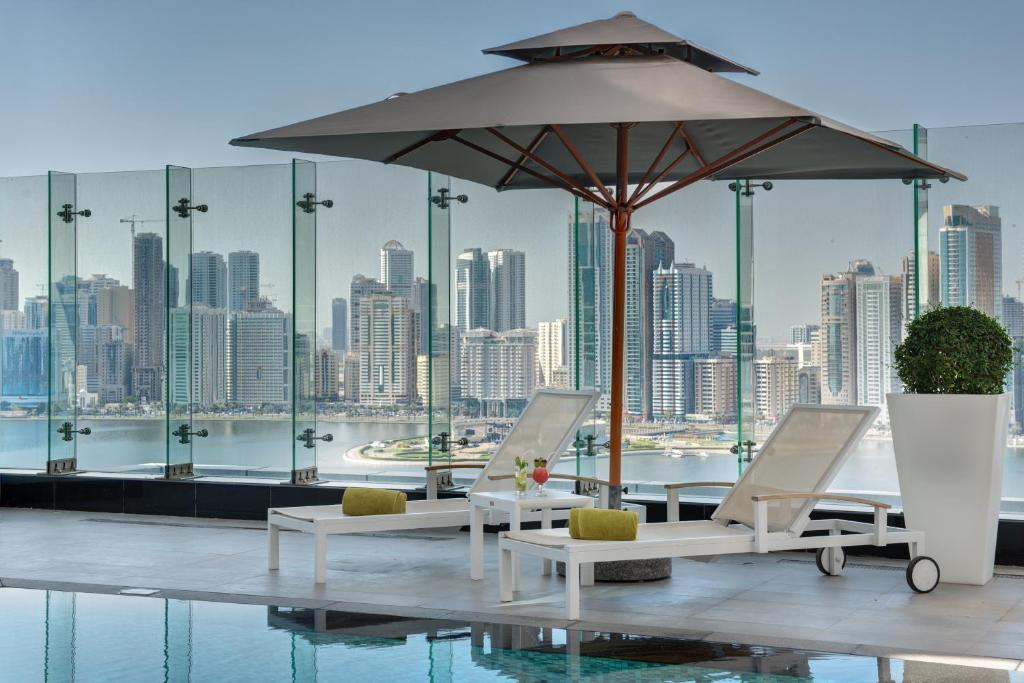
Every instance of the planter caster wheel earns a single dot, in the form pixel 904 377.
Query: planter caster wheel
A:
pixel 820 560
pixel 923 574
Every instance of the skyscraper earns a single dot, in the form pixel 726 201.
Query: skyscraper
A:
pixel 1013 316
pixel 209 366
pixel 873 340
pixel 971 254
pixel 150 314
pixel 715 388
pixel 258 351
pixel 681 323
pixel 838 340
pixel 115 306
pixel 802 334
pixel 387 365
pixel 360 288
pixel 590 266
pixel 723 326
pixel 208 281
pixel 551 351
pixel 339 324
pixel 8 285
pixel 507 289
pixel 776 387
pixel 472 290
pixel 37 312
pixel 499 370
pixel 425 308
pixel 243 280
pixel 396 269
pixel 326 371
pixel 23 371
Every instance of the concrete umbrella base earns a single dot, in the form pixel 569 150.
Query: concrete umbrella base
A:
pixel 625 571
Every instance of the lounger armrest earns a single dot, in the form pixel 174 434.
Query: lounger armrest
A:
pixel 761 513
pixel 456 466
pixel 821 496
pixel 672 494
pixel 700 484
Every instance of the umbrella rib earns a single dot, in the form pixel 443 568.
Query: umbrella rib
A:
pixel 689 143
pixel 571 148
pixel 730 159
pixel 532 156
pixel 638 193
pixel 433 137
pixel 571 187
pixel 657 160
pixel 531 148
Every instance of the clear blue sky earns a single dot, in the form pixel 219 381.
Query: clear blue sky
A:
pixel 108 85
pixel 130 84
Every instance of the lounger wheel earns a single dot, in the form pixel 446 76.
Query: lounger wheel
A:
pixel 923 574
pixel 820 560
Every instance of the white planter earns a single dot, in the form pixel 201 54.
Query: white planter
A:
pixel 949 455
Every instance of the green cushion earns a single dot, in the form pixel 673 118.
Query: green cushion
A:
pixel 592 524
pixel 357 502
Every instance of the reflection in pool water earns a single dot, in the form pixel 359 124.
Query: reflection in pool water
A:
pixel 59 636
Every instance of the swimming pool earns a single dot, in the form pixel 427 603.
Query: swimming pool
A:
pixel 61 636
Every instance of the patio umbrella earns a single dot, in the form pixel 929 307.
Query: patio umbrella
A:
pixel 595 109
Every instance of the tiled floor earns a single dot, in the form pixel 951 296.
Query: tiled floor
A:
pixel 769 600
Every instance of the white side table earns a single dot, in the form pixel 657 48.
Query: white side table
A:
pixel 515 505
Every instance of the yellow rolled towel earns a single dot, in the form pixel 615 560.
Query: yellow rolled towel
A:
pixel 357 502
pixel 603 525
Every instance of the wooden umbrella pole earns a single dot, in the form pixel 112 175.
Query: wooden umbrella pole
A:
pixel 620 227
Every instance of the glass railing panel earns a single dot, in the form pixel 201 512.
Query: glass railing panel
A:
pixel 372 292
pixel 312 365
pixel 510 293
pixel 120 252
pixel 442 341
pixel 992 157
pixel 62 430
pixel 240 293
pixel 24 321
pixel 175 362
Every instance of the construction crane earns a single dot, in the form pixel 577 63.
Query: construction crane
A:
pixel 133 219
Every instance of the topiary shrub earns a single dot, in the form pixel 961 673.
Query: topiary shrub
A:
pixel 955 350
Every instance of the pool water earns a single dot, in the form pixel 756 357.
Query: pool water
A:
pixel 60 636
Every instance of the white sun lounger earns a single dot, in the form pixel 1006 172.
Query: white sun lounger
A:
pixel 546 428
pixel 767 510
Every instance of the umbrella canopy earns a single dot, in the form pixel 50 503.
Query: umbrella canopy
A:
pixel 595 109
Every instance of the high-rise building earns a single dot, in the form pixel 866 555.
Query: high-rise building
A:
pixel 326 373
pixel 715 388
pixel 681 325
pixel 552 353
pixel 499 370
pixel 873 340
pixel 112 364
pixel 258 350
pixel 1013 316
pixel 723 326
pixel 808 379
pixel 776 386
pixel 12 320
pixel 437 378
pixel 115 306
pixel 802 334
pixel 8 285
pixel 645 253
pixel 208 281
pixel 339 324
pixel 971 254
pixel 507 305
pixel 37 312
pixel 209 360
pixel 591 261
pixel 23 365
pixel 472 290
pixel 909 308
pixel 838 340
pixel 350 377
pixel 150 314
pixel 243 280
pixel 396 269
pixel 387 365
pixel 360 288
pixel 424 306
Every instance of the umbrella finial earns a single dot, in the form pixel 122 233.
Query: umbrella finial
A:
pixel 625 14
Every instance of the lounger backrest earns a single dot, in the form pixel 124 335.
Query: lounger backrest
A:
pixel 545 429
pixel 803 455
